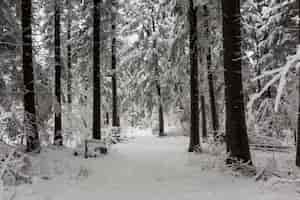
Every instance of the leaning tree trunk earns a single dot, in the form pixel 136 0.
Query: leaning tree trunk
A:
pixel 30 123
pixel 211 87
pixel 194 132
pixel 96 67
pixel 298 131
pixel 58 140
pixel 236 130
pixel 115 117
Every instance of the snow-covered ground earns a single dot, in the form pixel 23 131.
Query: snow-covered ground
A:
pixel 147 168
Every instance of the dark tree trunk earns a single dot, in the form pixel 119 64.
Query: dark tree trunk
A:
pixel 96 58
pixel 69 54
pixel 236 130
pixel 203 117
pixel 211 86
pixel 160 105
pixel 298 131
pixel 115 117
pixel 107 118
pixel 58 140
pixel 30 123
pixel 194 132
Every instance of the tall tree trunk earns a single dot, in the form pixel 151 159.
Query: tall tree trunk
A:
pixel 236 130
pixel 194 132
pixel 30 123
pixel 96 67
pixel 58 140
pixel 115 117
pixel 161 122
pixel 298 131
pixel 211 86
pixel 69 54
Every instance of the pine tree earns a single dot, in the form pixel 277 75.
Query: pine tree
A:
pixel 30 123
pixel 236 130
pixel 145 65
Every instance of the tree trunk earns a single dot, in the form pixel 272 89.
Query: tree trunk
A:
pixel 96 67
pixel 30 123
pixel 160 106
pixel 58 140
pixel 211 87
pixel 194 131
pixel 298 131
pixel 69 54
pixel 203 116
pixel 213 104
pixel 236 130
pixel 158 87
pixel 115 117
pixel 107 118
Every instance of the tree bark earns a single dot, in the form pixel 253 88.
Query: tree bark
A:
pixel 211 86
pixel 203 117
pixel 69 55
pixel 236 130
pixel 115 117
pixel 30 123
pixel 96 67
pixel 160 105
pixel 298 131
pixel 58 140
pixel 194 129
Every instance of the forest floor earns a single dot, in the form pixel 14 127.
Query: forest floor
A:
pixel 147 168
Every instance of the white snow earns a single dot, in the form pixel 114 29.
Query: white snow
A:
pixel 145 168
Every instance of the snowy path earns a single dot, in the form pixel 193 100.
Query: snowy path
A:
pixel 150 168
